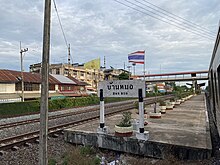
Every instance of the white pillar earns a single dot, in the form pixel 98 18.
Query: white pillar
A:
pixel 102 114
pixel 141 134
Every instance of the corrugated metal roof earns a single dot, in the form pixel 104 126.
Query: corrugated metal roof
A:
pixel 62 79
pixel 6 76
pixel 11 76
pixel 77 81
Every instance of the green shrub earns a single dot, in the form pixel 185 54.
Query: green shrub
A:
pixel 87 150
pixel 126 120
pixel 18 108
pixel 21 108
pixel 96 161
pixel 162 103
pixel 52 162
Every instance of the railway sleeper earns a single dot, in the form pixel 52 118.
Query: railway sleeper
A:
pixel 27 144
pixel 15 148
pixel 54 135
pixel 37 141
pixel 2 153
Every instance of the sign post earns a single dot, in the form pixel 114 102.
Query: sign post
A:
pixel 102 112
pixel 123 88
pixel 102 128
pixel 141 111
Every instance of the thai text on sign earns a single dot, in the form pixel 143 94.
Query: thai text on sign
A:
pixel 122 88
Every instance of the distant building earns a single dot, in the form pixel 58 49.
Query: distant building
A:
pixel 11 88
pixel 161 87
pixel 90 76
pixel 112 74
pixel 150 87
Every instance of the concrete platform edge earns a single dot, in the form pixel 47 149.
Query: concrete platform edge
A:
pixel 134 146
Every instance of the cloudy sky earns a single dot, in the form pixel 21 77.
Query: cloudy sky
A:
pixel 98 28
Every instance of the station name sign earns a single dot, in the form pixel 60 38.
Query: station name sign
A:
pixel 122 88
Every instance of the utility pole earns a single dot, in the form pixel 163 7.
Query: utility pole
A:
pixel 22 77
pixel 43 159
pixel 69 60
pixel 104 63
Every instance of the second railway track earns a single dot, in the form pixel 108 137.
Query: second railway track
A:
pixel 80 117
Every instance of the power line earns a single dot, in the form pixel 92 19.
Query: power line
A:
pixel 199 26
pixel 182 22
pixel 177 21
pixel 67 45
pixel 189 30
pixel 60 23
pixel 173 21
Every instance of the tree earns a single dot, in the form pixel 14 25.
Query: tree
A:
pixel 123 76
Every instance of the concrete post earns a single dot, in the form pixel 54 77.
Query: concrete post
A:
pixel 43 158
pixel 22 76
pixel 102 110
pixel 141 111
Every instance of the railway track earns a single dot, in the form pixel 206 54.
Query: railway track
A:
pixel 83 116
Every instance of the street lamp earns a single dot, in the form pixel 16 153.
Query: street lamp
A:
pixel 22 81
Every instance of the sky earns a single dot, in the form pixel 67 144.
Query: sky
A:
pixel 99 28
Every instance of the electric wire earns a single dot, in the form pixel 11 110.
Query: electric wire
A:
pixel 189 30
pixel 179 20
pixel 60 23
pixel 173 22
pixel 64 36
pixel 199 26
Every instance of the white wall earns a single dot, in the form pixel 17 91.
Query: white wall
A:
pixel 7 88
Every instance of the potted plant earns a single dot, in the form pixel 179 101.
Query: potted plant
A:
pixel 172 101
pixel 178 100
pixel 162 106
pixel 169 106
pixel 124 128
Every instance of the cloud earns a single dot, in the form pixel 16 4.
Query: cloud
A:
pixel 106 28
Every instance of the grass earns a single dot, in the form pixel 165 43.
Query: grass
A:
pixel 80 156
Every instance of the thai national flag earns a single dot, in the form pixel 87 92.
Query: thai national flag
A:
pixel 136 57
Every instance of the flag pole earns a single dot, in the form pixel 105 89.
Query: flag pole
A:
pixel 144 65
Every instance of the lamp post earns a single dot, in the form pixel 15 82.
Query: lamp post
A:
pixel 22 77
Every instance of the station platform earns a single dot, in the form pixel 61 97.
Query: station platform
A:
pixel 182 132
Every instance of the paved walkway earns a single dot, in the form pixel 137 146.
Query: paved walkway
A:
pixel 185 125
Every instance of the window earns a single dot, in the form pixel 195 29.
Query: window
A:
pixel 35 87
pixel 27 87
pixel 18 86
pixel 62 88
pixel 216 92
pixel 58 71
pixel 213 93
pixel 218 74
pixel 74 73
pixel 51 87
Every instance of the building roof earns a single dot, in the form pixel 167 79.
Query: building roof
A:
pixel 6 76
pixel 77 81
pixel 63 79
pixel 11 76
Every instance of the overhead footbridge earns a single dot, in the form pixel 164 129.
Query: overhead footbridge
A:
pixel 177 76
